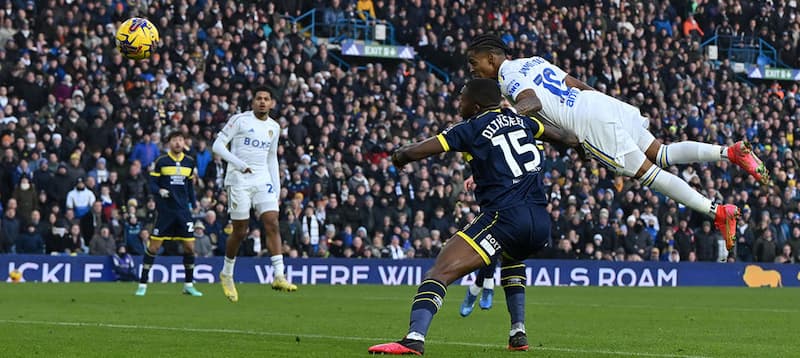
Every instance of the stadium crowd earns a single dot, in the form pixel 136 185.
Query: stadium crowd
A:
pixel 81 125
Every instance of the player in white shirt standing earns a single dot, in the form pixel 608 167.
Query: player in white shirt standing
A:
pixel 611 131
pixel 252 181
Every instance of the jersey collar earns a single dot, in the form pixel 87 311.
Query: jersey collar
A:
pixel 178 158
pixel 495 110
pixel 500 73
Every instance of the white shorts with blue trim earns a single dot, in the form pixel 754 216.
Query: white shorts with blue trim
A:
pixel 242 198
pixel 614 133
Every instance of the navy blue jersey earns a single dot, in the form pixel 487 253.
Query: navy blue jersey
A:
pixel 502 152
pixel 174 174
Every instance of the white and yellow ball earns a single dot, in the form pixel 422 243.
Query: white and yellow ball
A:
pixel 137 38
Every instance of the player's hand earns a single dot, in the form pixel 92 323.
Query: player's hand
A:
pixel 469 184
pixel 247 170
pixel 163 192
pixel 397 160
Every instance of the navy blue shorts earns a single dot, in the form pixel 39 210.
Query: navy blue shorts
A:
pixel 517 232
pixel 173 225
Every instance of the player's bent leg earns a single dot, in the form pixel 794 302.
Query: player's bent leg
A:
pixel 484 286
pixel 667 183
pixel 147 262
pixel 456 260
pixel 468 305
pixel 513 279
pixel 240 228
pixel 684 153
pixel 188 266
pixel 486 275
pixel 740 153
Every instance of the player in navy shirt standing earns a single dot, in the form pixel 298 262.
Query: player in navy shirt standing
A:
pixel 500 146
pixel 171 182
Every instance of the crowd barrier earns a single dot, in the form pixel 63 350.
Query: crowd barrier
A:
pixel 41 268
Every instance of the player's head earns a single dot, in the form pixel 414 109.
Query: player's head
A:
pixel 263 101
pixel 479 95
pixel 176 142
pixel 485 54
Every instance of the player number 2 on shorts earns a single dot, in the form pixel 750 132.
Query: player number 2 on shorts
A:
pixel 190 226
pixel 513 138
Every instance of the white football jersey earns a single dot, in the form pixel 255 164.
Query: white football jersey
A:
pixel 547 81
pixel 255 143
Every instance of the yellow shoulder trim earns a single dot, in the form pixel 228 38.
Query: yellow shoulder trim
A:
pixel 541 127
pixel 443 142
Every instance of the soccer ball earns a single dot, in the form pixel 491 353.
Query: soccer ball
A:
pixel 136 38
pixel 15 276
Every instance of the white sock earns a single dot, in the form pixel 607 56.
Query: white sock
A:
pixel 688 152
pixel 188 284
pixel 277 264
pixel 516 327
pixel 677 189
pixel 415 336
pixel 488 283
pixel 474 289
pixel 142 285
pixel 227 267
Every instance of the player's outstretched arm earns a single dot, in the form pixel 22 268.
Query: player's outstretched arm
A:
pixel 559 136
pixel 416 151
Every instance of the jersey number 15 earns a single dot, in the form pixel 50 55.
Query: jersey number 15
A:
pixel 511 141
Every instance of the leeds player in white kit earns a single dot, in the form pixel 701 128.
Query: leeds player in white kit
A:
pixel 252 181
pixel 611 131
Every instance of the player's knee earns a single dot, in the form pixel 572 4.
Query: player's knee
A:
pixel 654 150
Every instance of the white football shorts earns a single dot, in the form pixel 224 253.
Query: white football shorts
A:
pixel 242 198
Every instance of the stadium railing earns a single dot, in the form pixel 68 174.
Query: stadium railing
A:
pixel 746 49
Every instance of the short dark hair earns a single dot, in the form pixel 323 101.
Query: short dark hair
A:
pixel 174 134
pixel 484 92
pixel 264 89
pixel 488 42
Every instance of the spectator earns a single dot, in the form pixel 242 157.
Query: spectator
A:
pixel 100 172
pixel 134 186
pixel 74 242
pixel 786 256
pixel 395 250
pixel 706 244
pixel 26 196
pixel 80 200
pixel 124 267
pixel 91 221
pixel 366 9
pixel 202 243
pixel 291 232
pixel 132 229
pixel 765 249
pixel 146 151
pixel 61 185
pixel 10 229
pixel 684 240
pixel 102 244
pixel 30 241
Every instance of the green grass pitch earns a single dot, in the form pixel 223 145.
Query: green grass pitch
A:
pixel 106 320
